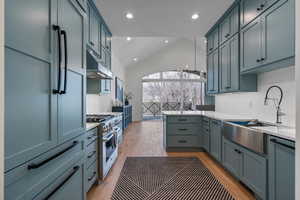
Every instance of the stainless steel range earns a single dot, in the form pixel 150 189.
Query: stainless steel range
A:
pixel 108 142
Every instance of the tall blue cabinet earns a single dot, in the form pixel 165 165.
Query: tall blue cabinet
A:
pixel 44 98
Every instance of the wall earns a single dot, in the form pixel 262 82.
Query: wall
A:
pixel 103 103
pixel 253 103
pixel 298 99
pixel 1 98
pixel 174 56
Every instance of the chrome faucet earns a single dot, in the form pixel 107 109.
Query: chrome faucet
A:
pixel 279 113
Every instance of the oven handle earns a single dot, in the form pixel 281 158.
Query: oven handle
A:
pixel 117 129
pixel 106 139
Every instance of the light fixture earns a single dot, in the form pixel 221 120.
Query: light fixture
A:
pixel 135 59
pixel 129 15
pixel 128 39
pixel 166 41
pixel 195 16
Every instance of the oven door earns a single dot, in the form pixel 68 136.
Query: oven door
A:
pixel 110 144
pixel 119 133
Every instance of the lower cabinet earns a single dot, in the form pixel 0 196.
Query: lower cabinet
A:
pixel 246 166
pixel 57 174
pixel 281 169
pixel 215 139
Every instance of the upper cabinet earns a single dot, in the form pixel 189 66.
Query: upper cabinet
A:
pixel 269 41
pixel 229 26
pixel 213 40
pixel 213 72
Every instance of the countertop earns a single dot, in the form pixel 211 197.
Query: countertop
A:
pixel 90 126
pixel 278 131
pixel 106 113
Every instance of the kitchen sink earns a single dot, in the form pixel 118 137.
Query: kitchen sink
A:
pixel 252 123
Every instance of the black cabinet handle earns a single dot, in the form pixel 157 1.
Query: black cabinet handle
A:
pixel 262 59
pixel 258 60
pixel 238 151
pixel 258 9
pixel 182 141
pixel 75 169
pixel 91 155
pixel 210 49
pixel 262 5
pixel 92 177
pixel 58 30
pixel 64 34
pixel 38 165
pixel 227 35
pixel 92 43
pixel 282 144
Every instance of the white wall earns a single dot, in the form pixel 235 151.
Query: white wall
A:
pixel 252 103
pixel 298 99
pixel 103 102
pixel 1 98
pixel 177 54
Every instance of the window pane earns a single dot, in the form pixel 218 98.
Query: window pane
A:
pixel 171 75
pixel 152 76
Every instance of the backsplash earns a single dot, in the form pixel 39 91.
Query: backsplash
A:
pixel 252 103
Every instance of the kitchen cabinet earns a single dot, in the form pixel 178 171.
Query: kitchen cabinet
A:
pixel 231 158
pixel 249 167
pixel 215 139
pixel 105 86
pixel 127 114
pixel 106 46
pixel 205 139
pixel 229 26
pixel 212 40
pixel 269 41
pixel 230 78
pixel 94 27
pixel 213 72
pixel 281 169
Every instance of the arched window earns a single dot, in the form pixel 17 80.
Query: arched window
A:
pixel 171 90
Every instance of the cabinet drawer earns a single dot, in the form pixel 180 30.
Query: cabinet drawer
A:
pixel 183 129
pixel 91 176
pixel 184 119
pixel 91 153
pixel 26 182
pixel 91 136
pixel 183 141
pixel 69 185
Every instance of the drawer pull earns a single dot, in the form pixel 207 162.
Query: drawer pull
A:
pixel 38 165
pixel 282 144
pixel 238 151
pixel 182 141
pixel 183 129
pixel 75 169
pixel 91 154
pixel 92 177
pixel 91 137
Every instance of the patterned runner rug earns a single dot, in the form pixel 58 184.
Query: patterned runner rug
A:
pixel 167 178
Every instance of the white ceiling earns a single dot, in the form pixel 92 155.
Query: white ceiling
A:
pixel 161 17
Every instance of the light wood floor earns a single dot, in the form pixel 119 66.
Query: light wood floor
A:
pixel 145 139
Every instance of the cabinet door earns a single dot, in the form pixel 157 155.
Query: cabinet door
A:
pixel 94 29
pixel 232 157
pixel 224 30
pixel 213 40
pixel 281 169
pixel 251 45
pixel 206 139
pixel 278 32
pixel 30 77
pixel 71 107
pixel 216 71
pixel 210 74
pixel 215 141
pixel 225 70
pixel 234 67
pixel 234 17
pixel 72 20
pixel 250 9
pixel 254 173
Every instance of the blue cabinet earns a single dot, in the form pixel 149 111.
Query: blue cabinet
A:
pixel 215 139
pixel 127 114
pixel 213 72
pixel 248 167
pixel 229 26
pixel 212 39
pixel 281 169
pixel 268 42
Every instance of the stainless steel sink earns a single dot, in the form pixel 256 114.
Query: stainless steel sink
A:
pixel 243 133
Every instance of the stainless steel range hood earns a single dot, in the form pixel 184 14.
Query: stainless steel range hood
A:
pixel 95 69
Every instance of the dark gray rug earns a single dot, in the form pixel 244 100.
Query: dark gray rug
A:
pixel 161 178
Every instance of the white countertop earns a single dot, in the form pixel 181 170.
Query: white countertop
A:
pixel 90 126
pixel 278 131
pixel 106 113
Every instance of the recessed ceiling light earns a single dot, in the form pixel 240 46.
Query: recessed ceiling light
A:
pixel 135 59
pixel 128 38
pixel 195 16
pixel 166 41
pixel 129 15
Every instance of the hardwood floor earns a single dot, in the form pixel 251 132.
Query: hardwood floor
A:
pixel 145 139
